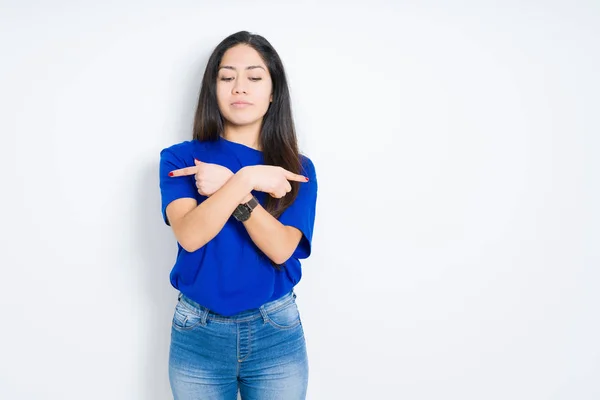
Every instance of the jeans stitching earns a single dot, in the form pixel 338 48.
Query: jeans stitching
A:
pixel 249 344
pixel 185 319
pixel 282 327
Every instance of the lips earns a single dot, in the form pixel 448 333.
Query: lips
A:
pixel 240 104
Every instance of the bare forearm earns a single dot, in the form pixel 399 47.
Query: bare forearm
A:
pixel 205 221
pixel 276 240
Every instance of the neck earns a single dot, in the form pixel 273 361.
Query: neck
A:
pixel 246 135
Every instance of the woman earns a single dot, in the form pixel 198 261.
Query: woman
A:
pixel 241 202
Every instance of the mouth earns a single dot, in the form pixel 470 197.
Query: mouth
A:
pixel 240 104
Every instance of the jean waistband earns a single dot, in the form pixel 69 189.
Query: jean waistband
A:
pixel 243 316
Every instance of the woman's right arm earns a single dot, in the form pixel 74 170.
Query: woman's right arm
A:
pixel 195 225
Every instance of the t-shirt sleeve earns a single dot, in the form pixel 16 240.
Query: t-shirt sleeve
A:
pixel 301 213
pixel 173 188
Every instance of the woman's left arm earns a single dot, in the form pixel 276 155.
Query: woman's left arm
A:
pixel 290 235
pixel 276 240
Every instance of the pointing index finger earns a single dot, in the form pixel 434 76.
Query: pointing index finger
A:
pixel 290 176
pixel 184 171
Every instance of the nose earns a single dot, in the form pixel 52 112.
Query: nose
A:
pixel 239 87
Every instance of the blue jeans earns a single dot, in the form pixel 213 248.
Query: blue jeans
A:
pixel 262 352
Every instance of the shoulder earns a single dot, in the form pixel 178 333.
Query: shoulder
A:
pixel 184 152
pixel 178 150
pixel 308 167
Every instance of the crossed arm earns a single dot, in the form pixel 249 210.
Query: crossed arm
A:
pixel 276 240
pixel 225 192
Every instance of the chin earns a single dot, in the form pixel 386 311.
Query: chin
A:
pixel 241 121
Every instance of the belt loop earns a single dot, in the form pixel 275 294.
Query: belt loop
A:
pixel 179 296
pixel 263 312
pixel 203 316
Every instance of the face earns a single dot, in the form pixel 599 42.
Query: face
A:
pixel 243 86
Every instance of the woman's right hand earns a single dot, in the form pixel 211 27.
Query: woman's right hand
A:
pixel 271 179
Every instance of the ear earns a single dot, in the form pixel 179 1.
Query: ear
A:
pixel 271 99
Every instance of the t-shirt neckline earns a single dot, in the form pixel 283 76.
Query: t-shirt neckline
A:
pixel 239 145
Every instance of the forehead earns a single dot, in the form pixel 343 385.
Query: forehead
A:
pixel 242 56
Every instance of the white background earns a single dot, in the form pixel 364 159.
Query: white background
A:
pixel 456 145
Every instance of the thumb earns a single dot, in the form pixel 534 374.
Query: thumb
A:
pixel 197 162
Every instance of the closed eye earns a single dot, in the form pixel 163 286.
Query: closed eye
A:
pixel 230 79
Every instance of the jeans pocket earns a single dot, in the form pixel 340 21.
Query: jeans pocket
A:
pixel 286 317
pixel 185 318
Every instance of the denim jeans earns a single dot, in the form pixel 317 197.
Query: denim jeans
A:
pixel 261 352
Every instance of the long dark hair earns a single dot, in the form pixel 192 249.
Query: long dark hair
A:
pixel 277 136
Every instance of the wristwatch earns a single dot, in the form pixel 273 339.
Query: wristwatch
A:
pixel 243 211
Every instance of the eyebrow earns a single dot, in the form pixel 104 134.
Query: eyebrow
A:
pixel 233 68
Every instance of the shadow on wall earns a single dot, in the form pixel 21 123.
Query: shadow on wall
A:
pixel 156 245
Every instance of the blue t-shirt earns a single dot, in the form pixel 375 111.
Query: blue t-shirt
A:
pixel 230 274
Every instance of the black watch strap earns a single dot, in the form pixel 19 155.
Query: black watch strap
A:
pixel 243 211
pixel 252 203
